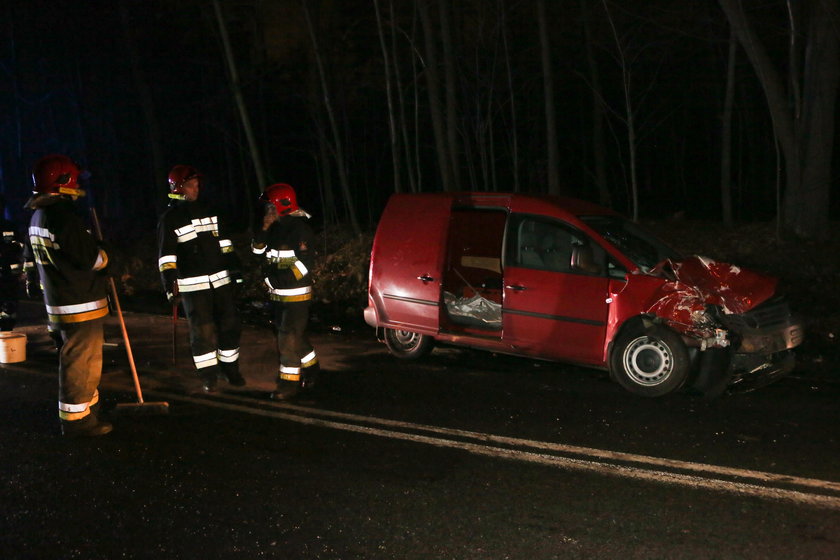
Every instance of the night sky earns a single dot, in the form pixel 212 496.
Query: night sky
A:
pixel 130 88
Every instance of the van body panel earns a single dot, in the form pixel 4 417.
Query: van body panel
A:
pixel 407 261
pixel 540 318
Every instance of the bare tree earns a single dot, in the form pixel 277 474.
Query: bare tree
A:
pixel 803 113
pixel 514 138
pixel 599 148
pixel 337 147
pixel 553 165
pixel 433 83
pixel 629 117
pixel 392 125
pixel 726 134
pixel 412 161
pixel 233 74
pixel 147 104
pixel 451 92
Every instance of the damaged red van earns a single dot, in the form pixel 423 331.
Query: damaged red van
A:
pixel 563 279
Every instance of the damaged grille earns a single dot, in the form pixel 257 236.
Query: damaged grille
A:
pixel 772 313
pixel 765 330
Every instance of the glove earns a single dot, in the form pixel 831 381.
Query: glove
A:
pixel 33 289
pixel 173 294
pixel 109 269
pixel 269 217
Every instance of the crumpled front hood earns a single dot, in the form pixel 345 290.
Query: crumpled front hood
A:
pixel 695 282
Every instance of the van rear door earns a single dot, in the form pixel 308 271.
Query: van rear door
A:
pixel 407 262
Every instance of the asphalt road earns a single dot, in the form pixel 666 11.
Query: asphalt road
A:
pixel 464 455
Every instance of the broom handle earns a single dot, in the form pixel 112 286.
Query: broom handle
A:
pixel 116 299
pixel 174 333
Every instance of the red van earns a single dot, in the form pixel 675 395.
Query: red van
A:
pixel 563 279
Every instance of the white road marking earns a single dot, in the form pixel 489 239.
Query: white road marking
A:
pixel 798 490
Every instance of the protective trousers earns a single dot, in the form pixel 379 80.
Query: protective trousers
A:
pixel 80 368
pixel 214 330
pixel 296 352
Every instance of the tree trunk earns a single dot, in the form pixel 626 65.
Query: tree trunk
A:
pixel 513 120
pixel 338 146
pixel 553 158
pixel 805 134
pixel 629 118
pixel 413 177
pixel 392 125
pixel 726 135
pixel 433 83
pixel 147 106
pixel 807 211
pixel 599 146
pixel 240 104
pixel 451 94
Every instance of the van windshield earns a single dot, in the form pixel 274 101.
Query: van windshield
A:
pixel 642 247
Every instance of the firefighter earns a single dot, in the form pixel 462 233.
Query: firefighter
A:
pixel 71 266
pixel 286 242
pixel 198 267
pixel 11 250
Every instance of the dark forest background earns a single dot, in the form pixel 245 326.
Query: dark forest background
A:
pixel 652 107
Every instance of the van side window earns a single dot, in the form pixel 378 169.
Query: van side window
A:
pixel 545 244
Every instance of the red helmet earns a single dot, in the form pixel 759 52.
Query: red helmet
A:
pixel 179 175
pixel 282 196
pixel 56 174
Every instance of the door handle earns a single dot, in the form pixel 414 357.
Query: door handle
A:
pixel 515 287
pixel 425 278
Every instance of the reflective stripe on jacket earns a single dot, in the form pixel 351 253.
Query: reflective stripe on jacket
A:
pixel 288 250
pixel 192 249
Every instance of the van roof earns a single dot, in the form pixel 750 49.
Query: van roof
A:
pixel 526 203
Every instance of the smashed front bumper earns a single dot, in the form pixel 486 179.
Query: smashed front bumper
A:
pixel 763 340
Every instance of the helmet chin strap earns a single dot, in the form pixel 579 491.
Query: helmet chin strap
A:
pixel 71 192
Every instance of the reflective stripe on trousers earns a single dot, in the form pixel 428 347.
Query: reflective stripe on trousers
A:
pixel 296 352
pixel 214 326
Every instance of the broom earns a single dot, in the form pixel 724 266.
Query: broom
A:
pixel 140 405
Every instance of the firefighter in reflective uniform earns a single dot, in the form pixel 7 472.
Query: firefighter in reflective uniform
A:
pixel 286 242
pixel 11 251
pixel 71 267
pixel 198 266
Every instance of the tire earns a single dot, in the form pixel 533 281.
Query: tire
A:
pixel 650 362
pixel 408 345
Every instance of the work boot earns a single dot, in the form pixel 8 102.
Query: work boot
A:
pixel 89 426
pixel 285 390
pixel 210 383
pixel 235 378
pixel 310 377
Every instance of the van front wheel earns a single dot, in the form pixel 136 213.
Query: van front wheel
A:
pixel 408 345
pixel 651 362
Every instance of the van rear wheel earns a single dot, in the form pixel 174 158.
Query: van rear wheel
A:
pixel 408 345
pixel 650 362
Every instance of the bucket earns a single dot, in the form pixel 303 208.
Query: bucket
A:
pixel 12 347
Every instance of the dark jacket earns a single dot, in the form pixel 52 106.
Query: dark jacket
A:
pixel 288 248
pixel 69 262
pixel 193 250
